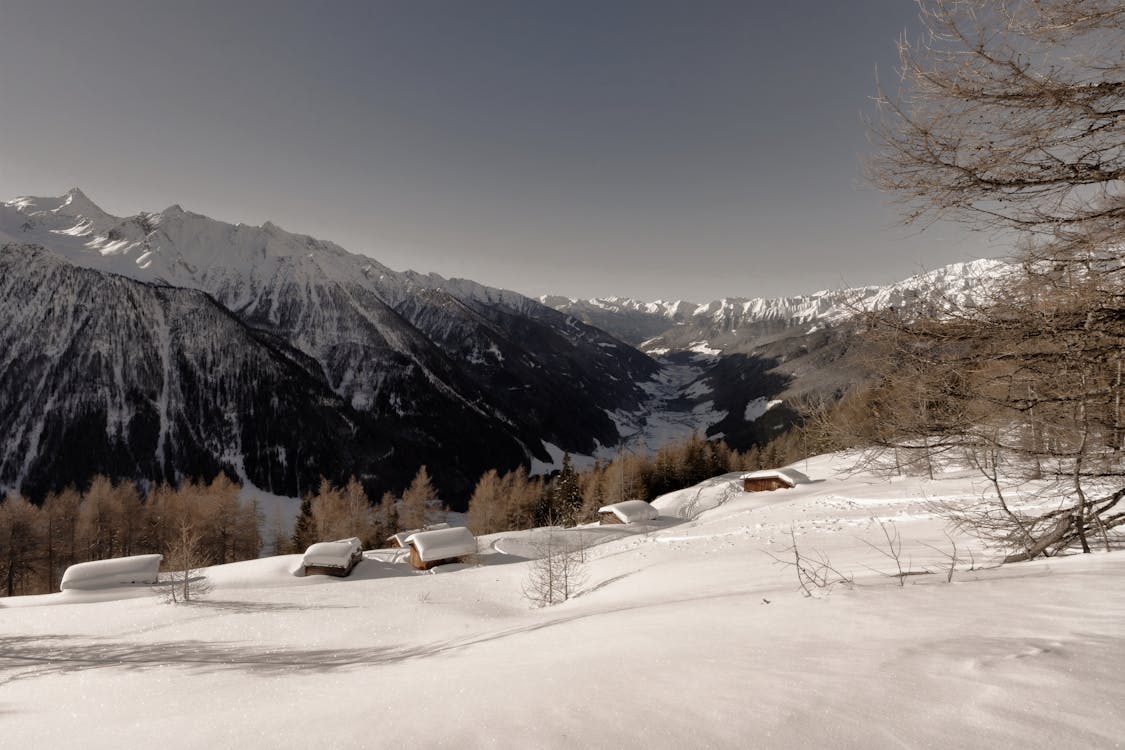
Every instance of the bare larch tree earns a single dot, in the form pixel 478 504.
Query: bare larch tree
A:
pixel 1010 117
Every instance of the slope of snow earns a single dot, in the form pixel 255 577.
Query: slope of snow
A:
pixel 694 609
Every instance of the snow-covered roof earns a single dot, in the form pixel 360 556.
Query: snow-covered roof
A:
pixel 335 554
pixel 631 511
pixel 441 544
pixel 401 537
pixel 117 571
pixel 790 476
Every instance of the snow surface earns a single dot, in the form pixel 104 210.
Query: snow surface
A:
pixel 690 630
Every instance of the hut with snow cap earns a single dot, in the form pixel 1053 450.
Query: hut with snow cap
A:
pixel 332 558
pixel 399 539
pixel 440 546
pixel 630 511
pixel 772 479
pixel 117 571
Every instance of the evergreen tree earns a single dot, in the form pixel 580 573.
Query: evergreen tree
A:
pixel 386 518
pixel 304 533
pixel 566 499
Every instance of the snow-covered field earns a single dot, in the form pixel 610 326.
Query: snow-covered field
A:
pixel 685 634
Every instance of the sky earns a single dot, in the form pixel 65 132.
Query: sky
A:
pixel 656 150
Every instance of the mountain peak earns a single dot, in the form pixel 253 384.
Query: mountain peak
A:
pixel 76 204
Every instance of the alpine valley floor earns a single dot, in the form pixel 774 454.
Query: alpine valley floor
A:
pixel 685 634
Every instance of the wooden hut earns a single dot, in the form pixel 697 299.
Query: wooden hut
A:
pixel 772 479
pixel 117 571
pixel 399 539
pixel 332 558
pixel 630 511
pixel 440 546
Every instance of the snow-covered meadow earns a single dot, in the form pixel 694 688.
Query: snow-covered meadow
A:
pixel 686 633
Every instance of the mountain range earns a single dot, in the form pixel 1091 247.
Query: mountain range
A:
pixel 743 324
pixel 168 345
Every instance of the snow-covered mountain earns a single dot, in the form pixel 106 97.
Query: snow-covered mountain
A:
pixel 410 368
pixel 740 324
pixel 99 373
pixel 729 357
pixel 450 372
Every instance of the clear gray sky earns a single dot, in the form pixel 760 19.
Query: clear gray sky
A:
pixel 652 149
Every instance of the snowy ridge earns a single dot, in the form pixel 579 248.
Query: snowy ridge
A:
pixel 957 283
pixel 186 249
pixel 670 310
pixel 662 327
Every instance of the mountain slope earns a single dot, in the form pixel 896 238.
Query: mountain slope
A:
pixel 470 377
pixel 101 374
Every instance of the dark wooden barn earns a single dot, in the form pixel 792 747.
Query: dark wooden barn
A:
pixel 440 546
pixel 768 480
pixel 332 558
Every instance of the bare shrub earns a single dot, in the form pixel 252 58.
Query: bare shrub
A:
pixel 185 580
pixel 815 573
pixel 557 570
